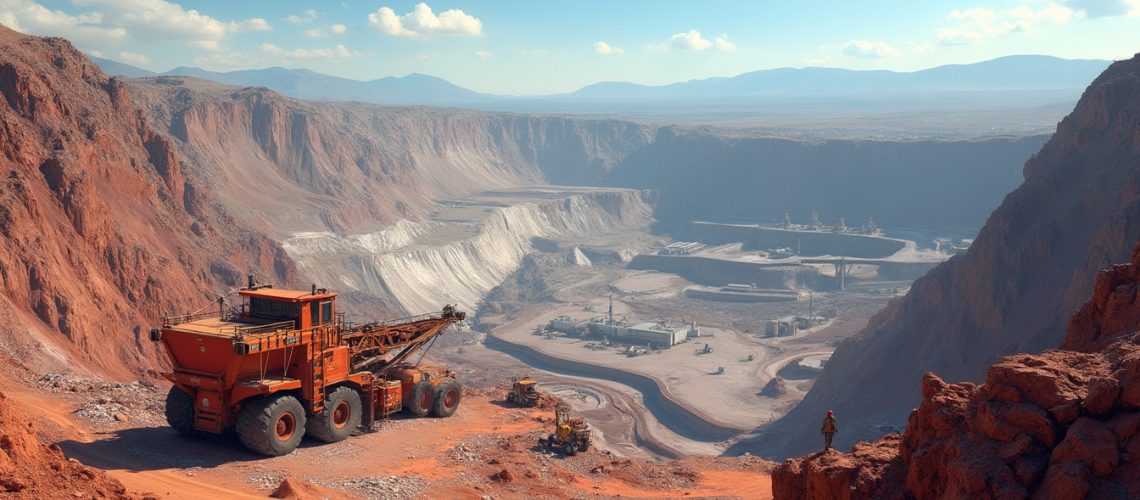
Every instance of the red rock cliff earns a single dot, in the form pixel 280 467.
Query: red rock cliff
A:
pixel 101 226
pixel 1029 269
pixel 1062 424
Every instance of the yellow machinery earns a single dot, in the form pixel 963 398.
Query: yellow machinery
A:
pixel 523 392
pixel 570 434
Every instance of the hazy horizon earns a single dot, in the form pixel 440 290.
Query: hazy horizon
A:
pixel 514 48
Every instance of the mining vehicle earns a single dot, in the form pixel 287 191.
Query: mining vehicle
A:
pixel 284 364
pixel 523 392
pixel 570 434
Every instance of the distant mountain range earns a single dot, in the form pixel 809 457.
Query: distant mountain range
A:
pixel 1020 82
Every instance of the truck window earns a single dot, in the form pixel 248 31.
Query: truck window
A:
pixel 326 313
pixel 272 309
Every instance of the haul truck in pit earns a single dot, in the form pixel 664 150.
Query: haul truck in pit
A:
pixel 284 364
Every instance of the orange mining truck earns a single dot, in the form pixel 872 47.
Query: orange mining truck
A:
pixel 283 364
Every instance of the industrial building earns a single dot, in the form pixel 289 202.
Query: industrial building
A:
pixel 787 327
pixel 681 248
pixel 658 334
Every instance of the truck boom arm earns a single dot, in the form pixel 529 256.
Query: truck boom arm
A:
pixel 368 344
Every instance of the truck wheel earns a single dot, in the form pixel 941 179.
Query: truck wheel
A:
pixel 340 416
pixel 422 398
pixel 585 446
pixel 272 426
pixel 447 399
pixel 180 411
pixel 570 449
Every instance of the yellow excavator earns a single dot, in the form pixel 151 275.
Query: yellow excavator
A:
pixel 570 434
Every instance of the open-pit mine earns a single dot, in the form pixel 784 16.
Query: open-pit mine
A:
pixel 706 338
pixel 212 291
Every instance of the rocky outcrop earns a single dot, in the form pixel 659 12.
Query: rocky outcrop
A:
pixel 1029 269
pixel 101 227
pixel 863 473
pixel 29 469
pixel 1061 424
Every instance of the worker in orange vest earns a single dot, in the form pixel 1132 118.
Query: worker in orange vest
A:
pixel 830 427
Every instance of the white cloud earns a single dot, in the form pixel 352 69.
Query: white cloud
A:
pixel 818 61
pixel 870 50
pixel 254 24
pixel 161 21
pixel 110 25
pixel 335 29
pixel 693 41
pixel 305 17
pixel 423 23
pixel 977 24
pixel 337 51
pixel 722 43
pixel 133 58
pixel 482 54
pixel 606 49
pixel 85 29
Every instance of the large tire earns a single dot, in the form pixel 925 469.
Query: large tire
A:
pixel 447 399
pixel 585 445
pixel 180 411
pixel 341 415
pixel 272 426
pixel 422 398
pixel 570 449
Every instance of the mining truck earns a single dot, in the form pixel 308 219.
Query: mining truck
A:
pixel 570 434
pixel 284 364
pixel 523 392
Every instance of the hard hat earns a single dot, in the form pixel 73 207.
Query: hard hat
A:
pixel 829 413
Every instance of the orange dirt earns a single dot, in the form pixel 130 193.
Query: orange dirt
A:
pixel 487 448
pixel 30 469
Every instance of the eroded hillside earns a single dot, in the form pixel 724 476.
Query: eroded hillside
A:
pixel 350 167
pixel 102 230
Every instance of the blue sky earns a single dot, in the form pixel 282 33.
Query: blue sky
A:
pixel 537 47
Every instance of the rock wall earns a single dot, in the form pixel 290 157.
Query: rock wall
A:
pixel 1061 424
pixel 357 168
pixel 932 184
pixel 102 229
pixel 1026 273
pixel 422 266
